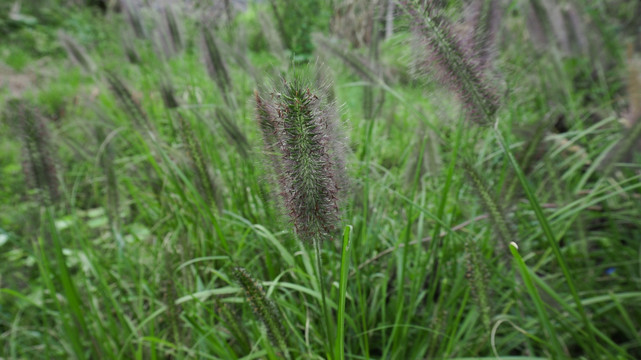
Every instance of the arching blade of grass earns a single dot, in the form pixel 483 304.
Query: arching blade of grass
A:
pixel 547 230
pixel 69 286
pixel 47 276
pixel 632 329
pixel 342 290
pixel 538 302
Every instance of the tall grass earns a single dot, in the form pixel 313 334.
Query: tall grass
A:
pixel 218 199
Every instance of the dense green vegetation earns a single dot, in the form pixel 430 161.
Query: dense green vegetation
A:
pixel 340 179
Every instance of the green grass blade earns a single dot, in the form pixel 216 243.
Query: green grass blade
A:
pixel 538 302
pixel 342 290
pixel 547 230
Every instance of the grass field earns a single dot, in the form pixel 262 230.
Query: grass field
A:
pixel 341 179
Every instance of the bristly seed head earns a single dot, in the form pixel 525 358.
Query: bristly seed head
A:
pixel 264 309
pixel 38 163
pixel 456 67
pixel 301 135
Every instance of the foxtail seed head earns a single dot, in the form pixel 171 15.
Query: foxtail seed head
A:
pixel 301 129
pixel 264 309
pixel 38 159
pixel 216 67
pixel 455 67
pixel 502 227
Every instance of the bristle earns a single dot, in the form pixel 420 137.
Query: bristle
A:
pixel 324 79
pixel 267 123
pixel 266 117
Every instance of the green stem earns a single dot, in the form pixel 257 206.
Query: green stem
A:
pixel 319 267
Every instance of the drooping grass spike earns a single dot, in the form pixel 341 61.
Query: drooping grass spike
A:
pixel 446 57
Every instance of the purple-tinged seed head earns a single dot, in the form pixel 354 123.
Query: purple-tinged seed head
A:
pixel 454 67
pixel 301 135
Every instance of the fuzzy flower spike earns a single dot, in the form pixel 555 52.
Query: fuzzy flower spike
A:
pixel 448 59
pixel 301 136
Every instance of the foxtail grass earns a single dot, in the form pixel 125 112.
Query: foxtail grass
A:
pixel 302 128
pixel 129 105
pixel 205 183
pixel 265 309
pixel 537 20
pixel 38 160
pixel 500 223
pixel 445 56
pixel 552 24
pixel 134 18
pixel 167 36
pixel 131 53
pixel 364 68
pixel 273 39
pixel 477 275
pixel 215 64
pixel 106 160
pixel 171 29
